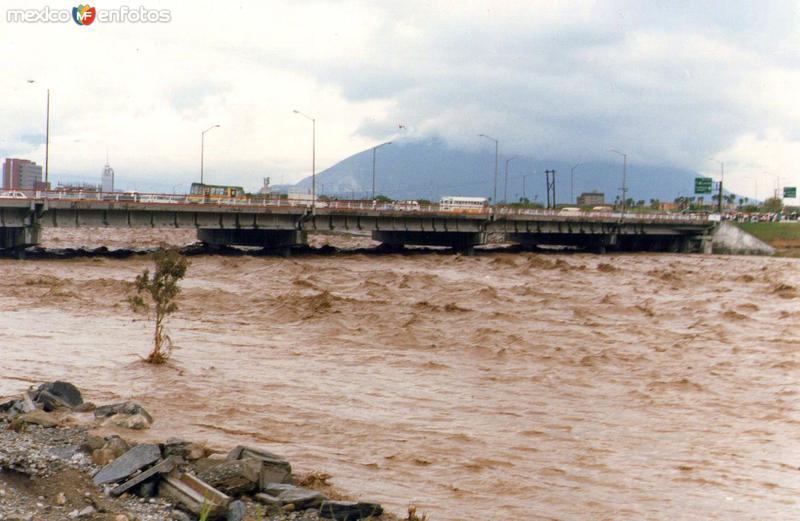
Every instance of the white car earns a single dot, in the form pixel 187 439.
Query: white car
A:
pixel 13 195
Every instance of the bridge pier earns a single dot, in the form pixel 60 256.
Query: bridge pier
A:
pixel 459 241
pixel 19 237
pixel 278 241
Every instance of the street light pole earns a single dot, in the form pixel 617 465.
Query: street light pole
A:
pixel 47 145
pixel 373 165
pixel 313 158
pixel 203 149
pixel 496 163
pixel 505 183
pixel 624 176
pixel 572 182
pixel 46 139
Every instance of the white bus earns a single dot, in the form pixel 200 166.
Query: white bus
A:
pixel 453 203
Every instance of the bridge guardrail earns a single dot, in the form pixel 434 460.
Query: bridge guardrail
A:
pixel 402 207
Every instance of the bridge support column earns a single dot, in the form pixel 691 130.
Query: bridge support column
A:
pixel 459 241
pixel 18 238
pixel 279 241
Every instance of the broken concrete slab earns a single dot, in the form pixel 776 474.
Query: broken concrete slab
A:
pixel 233 478
pixel 163 467
pixel 349 511
pixel 192 493
pixel 135 459
pixel 283 494
pixel 275 468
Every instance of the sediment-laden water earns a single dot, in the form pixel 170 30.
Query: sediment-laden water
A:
pixel 499 386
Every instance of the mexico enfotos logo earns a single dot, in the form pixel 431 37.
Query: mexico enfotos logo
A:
pixel 85 15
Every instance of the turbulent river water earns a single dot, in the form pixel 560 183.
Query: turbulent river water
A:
pixel 498 386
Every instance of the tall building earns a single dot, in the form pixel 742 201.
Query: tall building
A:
pixel 21 174
pixel 107 180
pixel 591 199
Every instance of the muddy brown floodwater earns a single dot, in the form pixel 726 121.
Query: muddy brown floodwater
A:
pixel 499 386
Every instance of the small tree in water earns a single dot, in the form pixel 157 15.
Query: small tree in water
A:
pixel 158 292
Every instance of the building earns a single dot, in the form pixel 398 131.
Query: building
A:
pixel 107 180
pixel 593 198
pixel 21 174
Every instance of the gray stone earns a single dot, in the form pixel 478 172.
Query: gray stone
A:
pixel 301 498
pixel 233 478
pixel 124 408
pixel 135 459
pixel 349 511
pixel 53 395
pixel 236 511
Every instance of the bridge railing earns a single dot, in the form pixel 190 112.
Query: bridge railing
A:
pixel 343 205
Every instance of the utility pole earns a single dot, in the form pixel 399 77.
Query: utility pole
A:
pixel 550 179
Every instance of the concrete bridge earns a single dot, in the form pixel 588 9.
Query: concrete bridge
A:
pixel 276 225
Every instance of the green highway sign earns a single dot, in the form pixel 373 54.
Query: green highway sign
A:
pixel 702 185
pixel 790 192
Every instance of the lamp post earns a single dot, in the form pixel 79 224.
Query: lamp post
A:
pixel 524 178
pixel 505 183
pixel 46 139
pixel 374 149
pixel 572 182
pixel 496 163
pixel 203 148
pixel 721 179
pixel 313 158
pixel 624 176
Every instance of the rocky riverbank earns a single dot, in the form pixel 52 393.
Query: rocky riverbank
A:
pixel 54 467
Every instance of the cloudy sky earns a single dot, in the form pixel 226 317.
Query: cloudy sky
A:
pixel 671 83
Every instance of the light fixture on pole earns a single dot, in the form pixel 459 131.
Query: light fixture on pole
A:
pixel 313 158
pixel 203 149
pixel 505 183
pixel 624 176
pixel 572 182
pixel 496 163
pixel 374 149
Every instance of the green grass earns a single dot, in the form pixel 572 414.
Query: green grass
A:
pixel 774 232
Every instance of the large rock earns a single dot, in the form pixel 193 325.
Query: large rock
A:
pixel 283 494
pixel 135 459
pixel 233 478
pixel 275 468
pixel 52 395
pixel 349 511
pixel 128 415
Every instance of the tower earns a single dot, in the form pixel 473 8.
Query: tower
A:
pixel 107 181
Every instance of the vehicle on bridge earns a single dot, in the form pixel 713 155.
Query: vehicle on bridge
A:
pixel 13 194
pixel 201 193
pixel 453 203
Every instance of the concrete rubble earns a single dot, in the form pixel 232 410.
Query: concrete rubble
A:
pixel 140 482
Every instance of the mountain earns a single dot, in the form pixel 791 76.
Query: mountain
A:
pixel 430 169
